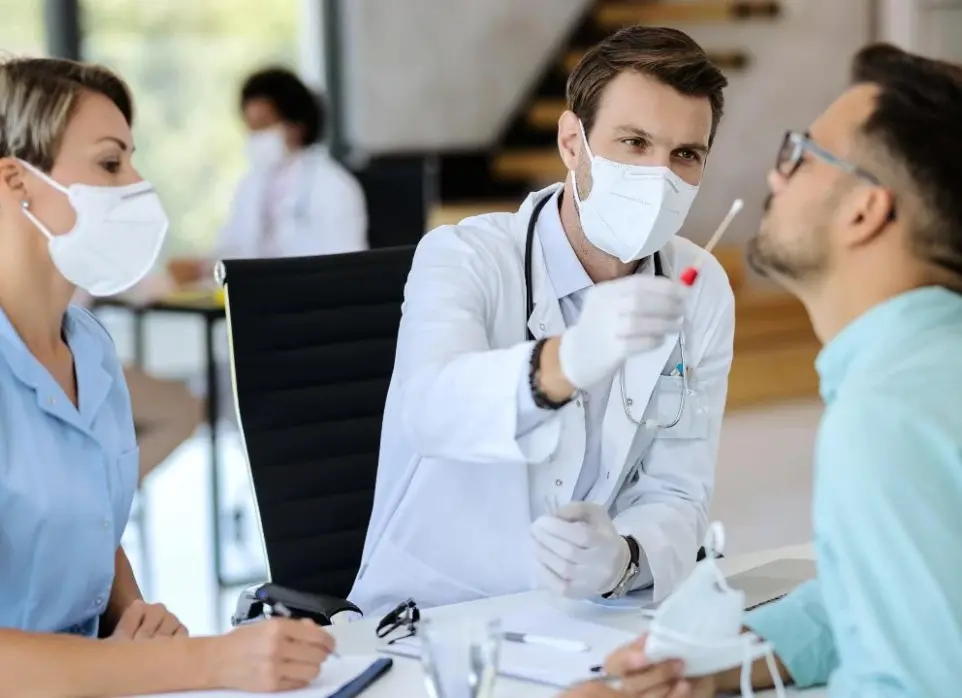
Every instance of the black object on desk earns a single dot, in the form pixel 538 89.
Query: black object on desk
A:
pixel 357 686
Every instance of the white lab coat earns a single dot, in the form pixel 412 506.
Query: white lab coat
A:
pixel 320 210
pixel 451 510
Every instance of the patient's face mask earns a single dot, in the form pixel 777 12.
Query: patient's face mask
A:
pixel 701 622
pixel 115 240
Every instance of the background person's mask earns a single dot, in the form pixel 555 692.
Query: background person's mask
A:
pixel 701 622
pixel 115 240
pixel 632 211
pixel 266 149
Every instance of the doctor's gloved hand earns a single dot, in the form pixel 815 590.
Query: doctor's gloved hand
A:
pixel 579 551
pixel 620 318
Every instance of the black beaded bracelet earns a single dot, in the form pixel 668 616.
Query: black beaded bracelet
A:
pixel 537 394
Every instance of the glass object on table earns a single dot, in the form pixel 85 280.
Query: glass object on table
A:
pixel 460 658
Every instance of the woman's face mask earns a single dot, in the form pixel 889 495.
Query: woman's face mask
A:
pixel 632 211
pixel 115 240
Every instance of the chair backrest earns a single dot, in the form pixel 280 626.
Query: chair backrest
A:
pixel 312 350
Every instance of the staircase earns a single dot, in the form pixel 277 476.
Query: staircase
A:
pixel 775 347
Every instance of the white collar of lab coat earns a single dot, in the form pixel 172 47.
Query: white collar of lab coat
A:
pixel 546 318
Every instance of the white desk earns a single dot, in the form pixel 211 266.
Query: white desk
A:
pixel 406 680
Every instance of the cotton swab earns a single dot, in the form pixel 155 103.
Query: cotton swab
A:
pixel 691 273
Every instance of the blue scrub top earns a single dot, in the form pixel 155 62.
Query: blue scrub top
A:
pixel 884 616
pixel 67 480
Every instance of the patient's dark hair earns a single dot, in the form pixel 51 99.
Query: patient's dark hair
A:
pixel 915 133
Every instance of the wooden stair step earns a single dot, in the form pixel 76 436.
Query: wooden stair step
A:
pixel 544 113
pixel 620 13
pixel 725 59
pixel 534 165
pixel 452 214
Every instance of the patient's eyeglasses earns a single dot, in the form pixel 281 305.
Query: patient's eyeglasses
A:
pixel 404 617
pixel 791 155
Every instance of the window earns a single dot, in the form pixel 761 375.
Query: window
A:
pixel 21 28
pixel 185 61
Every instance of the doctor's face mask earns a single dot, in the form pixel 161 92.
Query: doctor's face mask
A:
pixel 632 211
pixel 701 623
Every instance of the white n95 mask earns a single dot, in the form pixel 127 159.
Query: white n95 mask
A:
pixel 632 210
pixel 266 149
pixel 115 240
pixel 701 622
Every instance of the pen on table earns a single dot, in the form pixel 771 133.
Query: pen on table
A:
pixel 281 610
pixel 553 642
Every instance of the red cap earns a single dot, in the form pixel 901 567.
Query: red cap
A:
pixel 688 276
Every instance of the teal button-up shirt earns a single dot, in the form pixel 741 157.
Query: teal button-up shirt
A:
pixel 884 616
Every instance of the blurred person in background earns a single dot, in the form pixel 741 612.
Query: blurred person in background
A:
pixel 74 213
pixel 295 200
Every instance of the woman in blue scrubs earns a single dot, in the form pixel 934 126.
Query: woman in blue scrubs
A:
pixel 75 213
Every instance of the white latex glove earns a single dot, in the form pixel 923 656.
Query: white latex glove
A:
pixel 579 551
pixel 619 319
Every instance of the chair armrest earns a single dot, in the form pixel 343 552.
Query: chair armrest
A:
pixel 254 602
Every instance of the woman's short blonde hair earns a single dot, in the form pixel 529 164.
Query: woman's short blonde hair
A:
pixel 37 99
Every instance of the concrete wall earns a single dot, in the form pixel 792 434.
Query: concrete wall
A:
pixel 444 74
pixel 800 63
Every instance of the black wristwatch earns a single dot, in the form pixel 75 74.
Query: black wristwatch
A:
pixel 631 572
pixel 534 381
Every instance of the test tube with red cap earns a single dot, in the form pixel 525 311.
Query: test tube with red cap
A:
pixel 690 274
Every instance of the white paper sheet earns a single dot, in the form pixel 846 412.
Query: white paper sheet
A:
pixel 539 664
pixel 335 673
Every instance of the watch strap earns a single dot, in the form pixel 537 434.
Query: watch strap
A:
pixel 631 571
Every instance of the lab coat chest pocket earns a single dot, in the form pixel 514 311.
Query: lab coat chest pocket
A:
pixel 666 402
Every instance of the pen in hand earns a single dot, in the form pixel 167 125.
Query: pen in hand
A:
pixel 279 609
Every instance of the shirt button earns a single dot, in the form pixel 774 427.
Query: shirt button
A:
pixel 106 524
pixel 559 483
pixel 51 400
pixel 541 325
pixel 98 601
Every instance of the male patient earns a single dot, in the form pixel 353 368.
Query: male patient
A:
pixel 864 225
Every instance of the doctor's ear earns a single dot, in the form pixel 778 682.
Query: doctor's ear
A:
pixel 570 143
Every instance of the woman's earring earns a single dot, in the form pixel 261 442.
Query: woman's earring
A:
pixel 24 204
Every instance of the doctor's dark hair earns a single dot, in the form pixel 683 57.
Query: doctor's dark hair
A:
pixel 912 141
pixel 668 55
pixel 38 97
pixel 295 102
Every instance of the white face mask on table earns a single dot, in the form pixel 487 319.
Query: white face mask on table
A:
pixel 115 240
pixel 701 622
pixel 632 211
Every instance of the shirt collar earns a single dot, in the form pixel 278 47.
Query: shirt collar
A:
pixel 93 381
pixel 879 331
pixel 565 272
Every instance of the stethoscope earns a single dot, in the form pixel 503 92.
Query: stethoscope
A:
pixel 625 400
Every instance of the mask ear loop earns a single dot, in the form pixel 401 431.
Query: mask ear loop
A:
pixel 714 546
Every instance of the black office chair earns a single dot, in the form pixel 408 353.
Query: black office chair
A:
pixel 312 350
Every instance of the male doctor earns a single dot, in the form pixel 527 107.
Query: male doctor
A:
pixel 550 358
